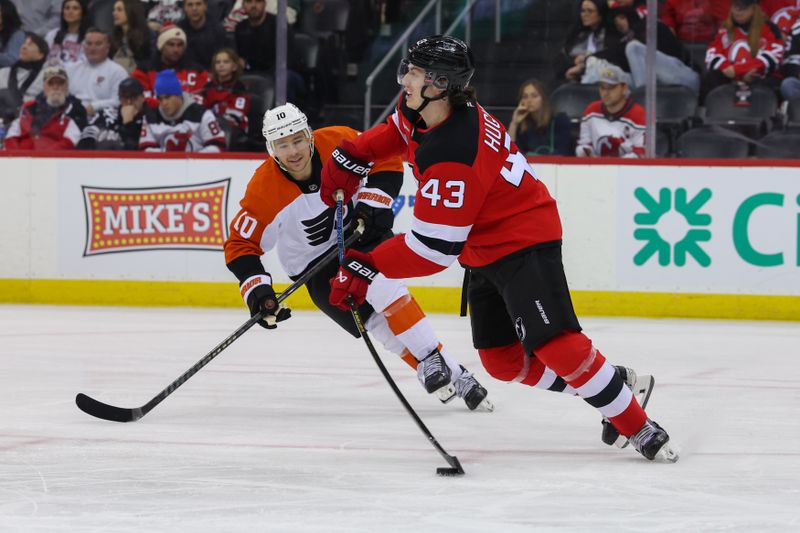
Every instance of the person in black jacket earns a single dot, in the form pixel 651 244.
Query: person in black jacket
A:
pixel 204 36
pixel 117 128
pixel 589 35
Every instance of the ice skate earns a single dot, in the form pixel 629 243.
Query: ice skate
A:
pixel 472 392
pixel 641 386
pixel 653 442
pixel 434 374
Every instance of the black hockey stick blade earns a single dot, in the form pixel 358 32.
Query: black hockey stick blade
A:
pixel 92 407
pixel 101 410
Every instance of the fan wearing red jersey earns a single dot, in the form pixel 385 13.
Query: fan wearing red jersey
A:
pixel 479 201
pixel 282 209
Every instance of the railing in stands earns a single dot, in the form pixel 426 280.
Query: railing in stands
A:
pixel 402 44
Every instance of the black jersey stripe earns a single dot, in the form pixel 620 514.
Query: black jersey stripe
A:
pixel 440 245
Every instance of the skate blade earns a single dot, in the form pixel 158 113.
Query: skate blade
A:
pixel 486 406
pixel 446 393
pixel 666 454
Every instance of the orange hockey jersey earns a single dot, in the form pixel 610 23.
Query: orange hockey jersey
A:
pixel 280 212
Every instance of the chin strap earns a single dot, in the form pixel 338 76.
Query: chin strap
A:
pixel 426 100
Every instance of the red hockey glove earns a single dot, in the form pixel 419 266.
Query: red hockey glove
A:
pixel 258 294
pixel 344 170
pixel 353 279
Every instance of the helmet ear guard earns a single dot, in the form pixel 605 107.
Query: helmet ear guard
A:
pixel 283 121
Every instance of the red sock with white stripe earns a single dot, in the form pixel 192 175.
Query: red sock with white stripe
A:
pixel 572 356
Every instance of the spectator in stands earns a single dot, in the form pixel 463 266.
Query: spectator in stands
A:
pixel 118 128
pixel 95 80
pixel 171 46
pixel 39 16
pixel 695 21
pixel 132 42
pixel 534 127
pixel 589 35
pixel 23 81
pixel 204 36
pixel 179 124
pixel 163 12
pixel 66 40
pixel 52 121
pixel 225 95
pixel 255 37
pixel 788 22
pixel 673 60
pixel 614 125
pixel 238 14
pixel 748 48
pixel 773 8
pixel 11 34
pixel 639 6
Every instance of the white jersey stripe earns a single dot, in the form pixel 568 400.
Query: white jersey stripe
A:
pixel 442 232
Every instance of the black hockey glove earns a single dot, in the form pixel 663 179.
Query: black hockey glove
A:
pixel 377 221
pixel 259 295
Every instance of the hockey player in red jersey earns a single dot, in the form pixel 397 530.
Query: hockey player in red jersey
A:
pixel 282 209
pixel 479 201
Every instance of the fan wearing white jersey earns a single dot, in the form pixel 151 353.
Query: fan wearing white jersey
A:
pixel 282 210
pixel 614 125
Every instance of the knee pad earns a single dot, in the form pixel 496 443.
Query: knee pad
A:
pixel 571 356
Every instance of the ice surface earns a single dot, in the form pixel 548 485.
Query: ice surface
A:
pixel 296 430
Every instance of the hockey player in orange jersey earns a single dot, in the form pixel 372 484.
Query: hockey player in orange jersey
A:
pixel 282 209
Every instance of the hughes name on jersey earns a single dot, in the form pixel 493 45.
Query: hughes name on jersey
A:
pixel 280 212
pixel 477 197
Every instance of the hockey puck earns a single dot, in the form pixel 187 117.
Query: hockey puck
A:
pixel 449 471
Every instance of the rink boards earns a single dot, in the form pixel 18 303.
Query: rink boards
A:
pixel 700 239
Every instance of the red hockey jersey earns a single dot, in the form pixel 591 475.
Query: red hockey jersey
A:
pixel 478 199
pixel 735 51
pixel 230 101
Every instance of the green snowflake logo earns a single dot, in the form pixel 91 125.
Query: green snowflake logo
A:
pixel 655 244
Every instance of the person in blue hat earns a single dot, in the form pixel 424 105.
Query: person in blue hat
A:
pixel 179 124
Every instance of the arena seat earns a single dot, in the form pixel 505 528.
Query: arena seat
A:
pixel 720 108
pixel 779 145
pixel 572 99
pixel 675 104
pixel 706 142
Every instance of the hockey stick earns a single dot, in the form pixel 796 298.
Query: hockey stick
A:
pixel 102 410
pixel 455 468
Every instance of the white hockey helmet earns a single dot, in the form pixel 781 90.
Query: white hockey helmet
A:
pixel 282 121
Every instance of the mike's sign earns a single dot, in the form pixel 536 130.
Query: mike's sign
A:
pixel 190 217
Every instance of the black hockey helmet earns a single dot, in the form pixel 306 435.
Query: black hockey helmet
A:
pixel 448 62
